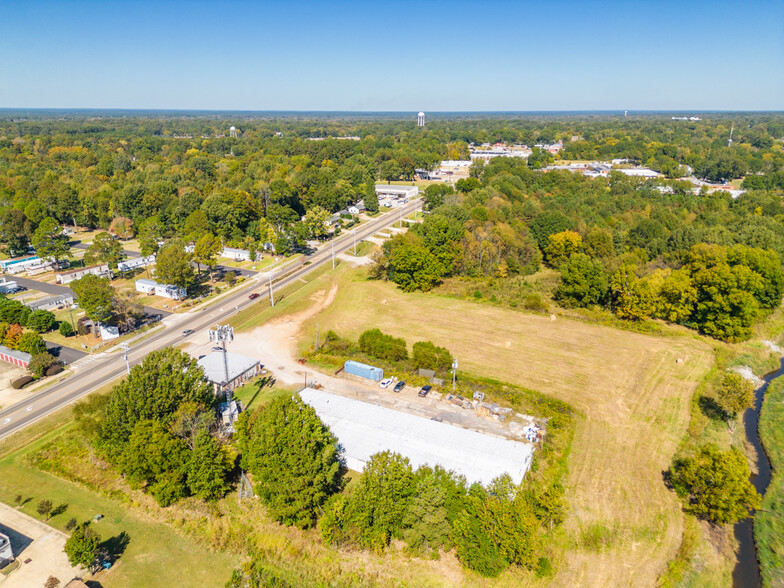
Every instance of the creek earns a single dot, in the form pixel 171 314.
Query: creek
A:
pixel 746 573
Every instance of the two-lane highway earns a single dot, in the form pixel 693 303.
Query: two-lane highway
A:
pixel 110 366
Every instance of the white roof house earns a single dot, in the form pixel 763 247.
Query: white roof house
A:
pixel 240 368
pixel 153 288
pixel 135 262
pixel 364 429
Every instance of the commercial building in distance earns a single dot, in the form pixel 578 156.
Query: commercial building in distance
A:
pixel 364 429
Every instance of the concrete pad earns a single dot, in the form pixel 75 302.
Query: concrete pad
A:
pixel 39 543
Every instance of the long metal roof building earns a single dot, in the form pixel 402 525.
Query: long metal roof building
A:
pixel 364 429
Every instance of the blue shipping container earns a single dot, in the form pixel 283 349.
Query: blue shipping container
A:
pixel 364 371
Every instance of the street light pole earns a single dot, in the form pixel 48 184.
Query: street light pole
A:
pixel 272 298
pixel 454 374
pixel 125 357
pixel 355 242
pixel 332 242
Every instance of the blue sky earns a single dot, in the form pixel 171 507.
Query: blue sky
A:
pixel 407 56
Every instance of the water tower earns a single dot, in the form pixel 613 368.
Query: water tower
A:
pixel 421 119
pixel 233 132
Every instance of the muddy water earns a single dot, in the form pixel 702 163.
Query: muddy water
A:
pixel 746 573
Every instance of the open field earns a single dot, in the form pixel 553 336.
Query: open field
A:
pixel 634 390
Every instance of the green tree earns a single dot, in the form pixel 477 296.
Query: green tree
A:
pixel 381 499
pixel 677 297
pixel 195 226
pixel 390 171
pixel 412 267
pixel 155 459
pixel 561 246
pixel 151 233
pixel 715 485
pixel 583 282
pixel 173 265
pixel 44 507
pixel 82 546
pixel 370 197
pixel 315 221
pixel 104 249
pixel 15 231
pixel 40 362
pixel 66 329
pixel 426 525
pixel 96 297
pixel 31 343
pixel 154 390
pixel 429 356
pixel 294 459
pixel 208 468
pixel 630 297
pixel 49 240
pixel 41 321
pixel 734 394
pixel 206 250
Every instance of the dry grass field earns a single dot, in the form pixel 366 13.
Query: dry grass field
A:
pixel 633 389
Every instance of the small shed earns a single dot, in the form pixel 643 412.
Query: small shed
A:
pixel 363 370
pixel 20 358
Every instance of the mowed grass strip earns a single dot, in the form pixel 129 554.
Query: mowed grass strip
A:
pixel 156 554
pixel 633 389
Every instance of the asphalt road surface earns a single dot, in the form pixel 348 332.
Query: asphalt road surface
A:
pixel 106 367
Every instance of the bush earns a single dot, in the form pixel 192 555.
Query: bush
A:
pixel 375 343
pixel 41 321
pixel 40 363
pixel 66 329
pixel 21 382
pixel 54 369
pixel 81 326
pixel 426 355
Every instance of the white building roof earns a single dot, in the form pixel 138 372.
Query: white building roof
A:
pixel 215 370
pixel 364 429
pixel 396 189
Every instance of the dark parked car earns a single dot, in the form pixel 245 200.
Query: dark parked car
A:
pixel 425 390
pixel 399 386
pixel 187 332
pixel 217 348
pixel 254 296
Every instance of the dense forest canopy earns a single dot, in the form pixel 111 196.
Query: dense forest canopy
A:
pixel 180 175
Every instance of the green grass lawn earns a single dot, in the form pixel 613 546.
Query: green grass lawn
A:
pixel 769 520
pixel 156 555
pixel 259 392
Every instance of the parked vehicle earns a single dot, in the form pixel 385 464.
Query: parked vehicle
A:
pixel 187 332
pixel 385 382
pixel 399 386
pixel 217 348
pixel 425 390
pixel 254 296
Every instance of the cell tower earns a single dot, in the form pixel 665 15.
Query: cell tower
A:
pixel 729 142
pixel 233 132
pixel 222 334
pixel 421 119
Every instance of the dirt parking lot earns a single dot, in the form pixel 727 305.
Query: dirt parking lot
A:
pixel 39 547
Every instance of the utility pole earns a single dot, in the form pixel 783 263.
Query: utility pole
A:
pixel 355 242
pixel 125 357
pixel 272 298
pixel 454 374
pixel 317 337
pixel 332 242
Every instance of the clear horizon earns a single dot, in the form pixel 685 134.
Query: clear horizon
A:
pixel 404 56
